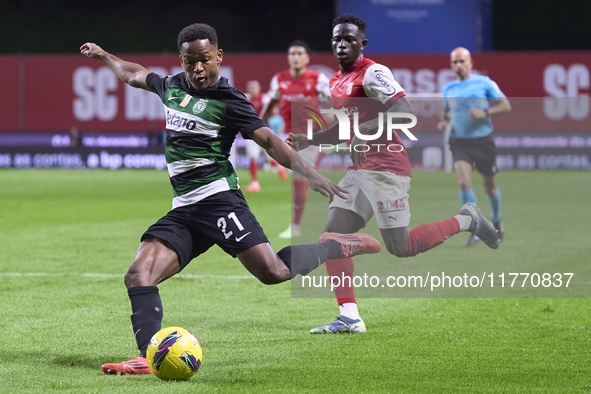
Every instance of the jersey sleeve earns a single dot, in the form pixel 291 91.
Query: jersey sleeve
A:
pixel 322 86
pixel 241 116
pixel 273 92
pixel 492 90
pixel 157 83
pixel 379 84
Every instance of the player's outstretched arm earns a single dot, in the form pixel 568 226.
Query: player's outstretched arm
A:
pixel 289 158
pixel 500 107
pixel 132 74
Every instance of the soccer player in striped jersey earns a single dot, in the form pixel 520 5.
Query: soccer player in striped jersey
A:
pixel 379 180
pixel 203 116
pixel 297 81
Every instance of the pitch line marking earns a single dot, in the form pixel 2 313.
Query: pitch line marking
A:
pixel 97 275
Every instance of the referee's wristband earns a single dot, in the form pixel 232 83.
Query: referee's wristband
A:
pixel 486 112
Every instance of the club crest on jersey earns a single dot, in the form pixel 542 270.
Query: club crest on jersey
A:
pixel 199 106
pixel 349 88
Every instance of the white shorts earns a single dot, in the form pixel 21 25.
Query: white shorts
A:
pixel 253 150
pixel 378 193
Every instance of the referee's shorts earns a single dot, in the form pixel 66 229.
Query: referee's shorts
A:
pixel 480 152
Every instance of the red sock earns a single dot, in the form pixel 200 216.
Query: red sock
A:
pixel 429 235
pixel 300 194
pixel 273 162
pixel 254 170
pixel 342 268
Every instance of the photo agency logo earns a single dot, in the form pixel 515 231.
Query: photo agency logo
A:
pixel 394 121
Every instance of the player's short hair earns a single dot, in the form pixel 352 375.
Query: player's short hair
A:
pixel 197 31
pixel 352 19
pixel 299 43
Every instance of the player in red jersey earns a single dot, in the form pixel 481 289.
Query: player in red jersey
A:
pixel 297 81
pixel 253 93
pixel 379 181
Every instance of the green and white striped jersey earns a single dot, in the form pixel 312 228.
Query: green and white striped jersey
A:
pixel 201 126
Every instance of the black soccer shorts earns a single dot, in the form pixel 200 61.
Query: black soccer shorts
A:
pixel 480 152
pixel 224 219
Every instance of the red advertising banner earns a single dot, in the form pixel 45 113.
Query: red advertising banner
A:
pixel 9 94
pixel 54 93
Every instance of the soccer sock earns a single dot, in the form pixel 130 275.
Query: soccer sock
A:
pixel 429 235
pixel 254 170
pixel 342 269
pixel 467 196
pixel 303 259
pixel 464 221
pixel 300 194
pixel 349 309
pixel 495 206
pixel 146 319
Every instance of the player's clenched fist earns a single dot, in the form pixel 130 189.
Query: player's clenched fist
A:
pixel 91 50
pixel 297 141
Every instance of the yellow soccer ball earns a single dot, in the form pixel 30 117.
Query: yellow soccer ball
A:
pixel 174 354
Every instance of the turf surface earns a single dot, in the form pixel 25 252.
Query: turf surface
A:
pixel 67 238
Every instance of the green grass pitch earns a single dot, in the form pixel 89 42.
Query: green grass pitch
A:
pixel 67 238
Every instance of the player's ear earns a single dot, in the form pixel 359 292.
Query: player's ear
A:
pixel 220 55
pixel 363 44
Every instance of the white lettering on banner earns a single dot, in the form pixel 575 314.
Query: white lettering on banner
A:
pixel 92 89
pixel 560 83
pixel 106 105
pixel 83 81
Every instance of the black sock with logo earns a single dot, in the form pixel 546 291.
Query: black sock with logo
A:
pixel 146 319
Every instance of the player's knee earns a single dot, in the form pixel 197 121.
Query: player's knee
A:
pixel 270 278
pixel 132 278
pixel 397 249
pixel 464 184
pixel 490 191
pixel 137 276
pixel 274 272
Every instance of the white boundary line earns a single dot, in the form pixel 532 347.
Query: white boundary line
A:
pixel 96 275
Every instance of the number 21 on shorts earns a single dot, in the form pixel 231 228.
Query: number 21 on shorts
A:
pixel 223 225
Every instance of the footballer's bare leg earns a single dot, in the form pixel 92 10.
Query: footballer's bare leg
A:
pixel 155 261
pixel 264 264
pixel 396 240
pixel 343 221
pixel 490 184
pixel 463 171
